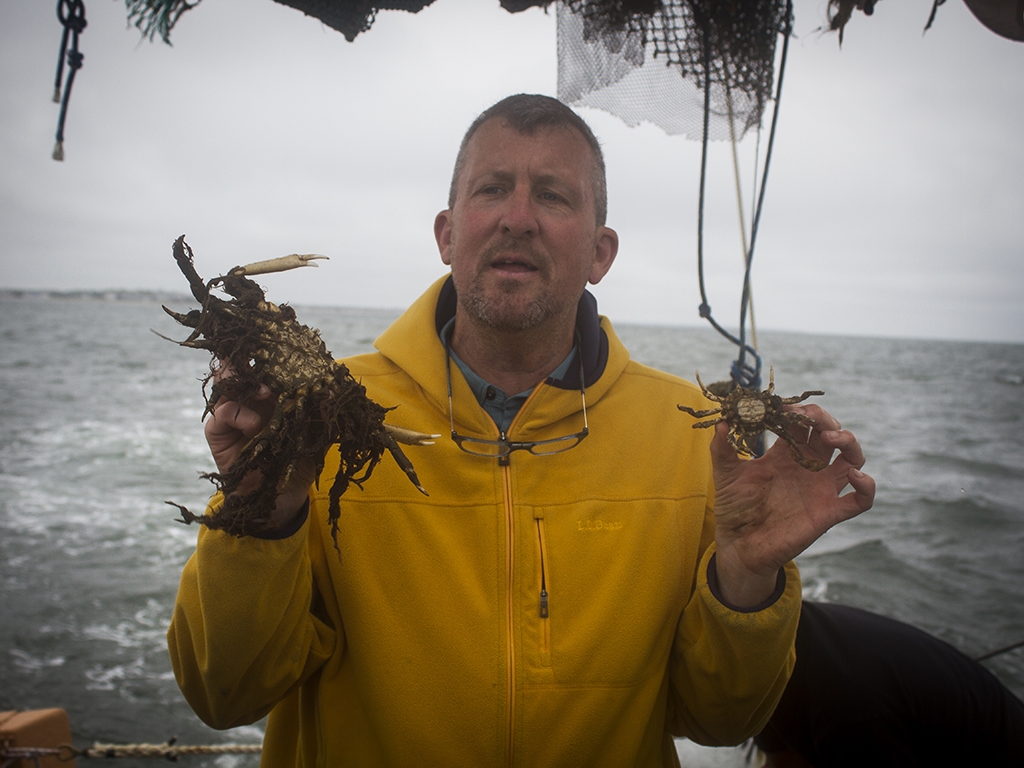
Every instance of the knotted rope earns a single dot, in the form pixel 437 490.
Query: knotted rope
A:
pixel 71 14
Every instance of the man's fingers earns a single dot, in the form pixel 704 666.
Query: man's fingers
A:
pixel 823 420
pixel 863 486
pixel 263 393
pixel 812 434
pixel 230 416
pixel 862 497
pixel 723 455
pixel 848 445
pixel 230 426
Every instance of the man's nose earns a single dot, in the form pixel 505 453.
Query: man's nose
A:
pixel 519 218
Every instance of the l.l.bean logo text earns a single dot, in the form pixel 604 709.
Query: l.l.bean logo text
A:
pixel 598 525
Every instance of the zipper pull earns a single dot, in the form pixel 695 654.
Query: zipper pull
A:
pixel 543 603
pixel 504 461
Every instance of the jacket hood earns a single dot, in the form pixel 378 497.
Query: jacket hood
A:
pixel 592 339
pixel 413 344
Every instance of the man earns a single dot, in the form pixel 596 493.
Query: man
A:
pixel 574 591
pixel 869 690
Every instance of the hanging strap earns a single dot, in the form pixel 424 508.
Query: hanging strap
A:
pixel 71 14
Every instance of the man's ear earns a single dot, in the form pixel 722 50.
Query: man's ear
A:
pixel 443 235
pixel 605 249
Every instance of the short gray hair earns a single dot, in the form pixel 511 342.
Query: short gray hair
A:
pixel 526 113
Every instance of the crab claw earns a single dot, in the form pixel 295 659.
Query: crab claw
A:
pixel 408 436
pixel 395 435
pixel 403 462
pixel 190 320
pixel 282 264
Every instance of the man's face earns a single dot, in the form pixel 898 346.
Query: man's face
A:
pixel 522 238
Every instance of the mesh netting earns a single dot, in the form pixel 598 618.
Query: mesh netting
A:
pixel 649 60
pixel 643 60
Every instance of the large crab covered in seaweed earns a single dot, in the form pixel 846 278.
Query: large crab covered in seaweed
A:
pixel 254 342
pixel 749 413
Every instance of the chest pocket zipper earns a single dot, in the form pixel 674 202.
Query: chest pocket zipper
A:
pixel 544 609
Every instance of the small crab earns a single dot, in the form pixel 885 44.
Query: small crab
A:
pixel 319 404
pixel 749 413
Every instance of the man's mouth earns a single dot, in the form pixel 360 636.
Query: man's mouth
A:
pixel 513 265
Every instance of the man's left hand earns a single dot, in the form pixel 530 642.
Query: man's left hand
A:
pixel 770 509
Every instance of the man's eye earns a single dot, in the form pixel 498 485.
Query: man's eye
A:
pixel 550 197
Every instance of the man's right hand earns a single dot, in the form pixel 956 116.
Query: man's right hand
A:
pixel 231 425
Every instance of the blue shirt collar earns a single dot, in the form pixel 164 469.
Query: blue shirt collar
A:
pixel 501 407
pixel 592 341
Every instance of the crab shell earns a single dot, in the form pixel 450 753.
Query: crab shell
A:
pixel 749 413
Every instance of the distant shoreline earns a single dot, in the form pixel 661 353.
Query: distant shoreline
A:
pixel 140 296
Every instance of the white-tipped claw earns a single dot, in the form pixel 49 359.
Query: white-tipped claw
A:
pixel 408 436
pixel 282 264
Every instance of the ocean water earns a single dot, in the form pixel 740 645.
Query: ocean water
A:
pixel 100 424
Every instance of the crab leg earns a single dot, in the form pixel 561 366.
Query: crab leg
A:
pixel 801 398
pixel 402 460
pixel 183 256
pixel 396 435
pixel 699 414
pixel 706 424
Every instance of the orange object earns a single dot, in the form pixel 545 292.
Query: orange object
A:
pixel 40 729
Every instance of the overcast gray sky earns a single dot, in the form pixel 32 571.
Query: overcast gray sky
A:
pixel 895 203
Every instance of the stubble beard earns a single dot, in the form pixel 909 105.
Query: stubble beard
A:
pixel 507 306
pixel 507 311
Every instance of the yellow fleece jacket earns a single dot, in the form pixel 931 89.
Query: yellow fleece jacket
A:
pixel 422 641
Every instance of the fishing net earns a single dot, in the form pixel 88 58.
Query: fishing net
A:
pixel 650 60
pixel 642 60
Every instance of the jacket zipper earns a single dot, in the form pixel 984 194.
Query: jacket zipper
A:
pixel 504 463
pixel 510 655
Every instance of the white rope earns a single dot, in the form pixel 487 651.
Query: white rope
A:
pixel 66 752
pixel 739 209
pixel 168 750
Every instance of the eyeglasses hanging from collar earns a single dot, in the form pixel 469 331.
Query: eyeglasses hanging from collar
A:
pixel 501 449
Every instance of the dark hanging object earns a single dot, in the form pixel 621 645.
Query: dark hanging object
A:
pixel 1004 17
pixel 72 16
pixel 350 17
